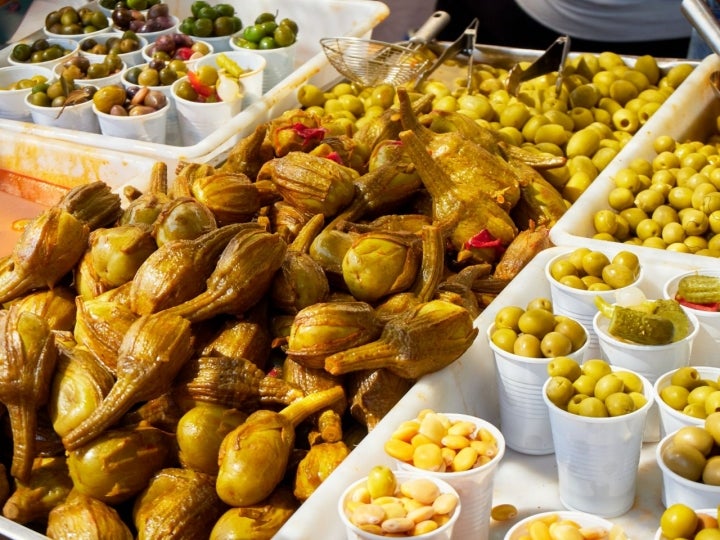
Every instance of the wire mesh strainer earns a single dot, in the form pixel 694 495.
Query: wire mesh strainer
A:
pixel 370 62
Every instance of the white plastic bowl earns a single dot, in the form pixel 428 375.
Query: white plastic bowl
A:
pixel 709 320
pixel 152 36
pixel 113 78
pixel 581 518
pixel 147 52
pixel 130 58
pixel 68 44
pixel 77 117
pixel 676 489
pixel 671 419
pixel 12 102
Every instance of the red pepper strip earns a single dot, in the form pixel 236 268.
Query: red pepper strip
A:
pixel 202 89
pixel 334 156
pixel 308 134
pixel 484 239
pixel 713 307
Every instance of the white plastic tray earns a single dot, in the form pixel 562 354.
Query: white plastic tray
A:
pixel 469 386
pixel 688 114
pixel 315 18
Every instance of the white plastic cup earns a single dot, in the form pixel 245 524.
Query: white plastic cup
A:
pixel 280 63
pixel 650 361
pixel 146 127
pixel 475 486
pixel 198 120
pixel 113 78
pixel 524 417
pixel 597 458
pixel 76 117
pixel 129 58
pixel 12 102
pixel 671 419
pixel 580 304
pixel 709 320
pixel 69 45
pixel 585 520
pixel 254 66
pixel 676 489
pixel 147 53
pixel 445 532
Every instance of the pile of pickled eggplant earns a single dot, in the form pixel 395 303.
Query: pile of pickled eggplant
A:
pixel 199 356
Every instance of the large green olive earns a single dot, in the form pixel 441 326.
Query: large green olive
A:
pixel 107 96
pixel 684 460
pixel 697 437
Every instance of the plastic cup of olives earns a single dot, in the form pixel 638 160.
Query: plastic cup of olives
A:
pixel 583 519
pixel 709 320
pixel 12 102
pixel 78 117
pixel 580 303
pixel 672 419
pixel 253 65
pixel 443 532
pixel 148 50
pixel 475 485
pixel 172 28
pixel 523 414
pixel 677 489
pixel 113 78
pixel 712 512
pixel 80 36
pixel 67 45
pixel 598 457
pixel 130 58
pixel 151 127
pixel 280 62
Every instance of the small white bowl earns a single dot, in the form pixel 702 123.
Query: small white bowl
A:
pixel 67 44
pixel 147 53
pixel 129 58
pixel 676 489
pixel 581 518
pixel 77 117
pixel 709 320
pixel 671 419
pixel 113 78
pixel 152 36
pixel 650 361
pixel 147 127
pixel 12 102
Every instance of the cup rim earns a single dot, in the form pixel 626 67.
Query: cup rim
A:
pixel 236 47
pixel 583 292
pixel 604 335
pixel 444 486
pixel 450 475
pixel 574 515
pixel 48 72
pixel 100 81
pixel 690 484
pixel 79 37
pixel 670 287
pixel 647 392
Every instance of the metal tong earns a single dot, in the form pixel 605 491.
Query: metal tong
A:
pixel 704 21
pixel 553 59
pixel 464 44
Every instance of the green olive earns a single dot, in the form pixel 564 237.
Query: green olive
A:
pixel 592 406
pixel 695 436
pixel 675 396
pixel 594 262
pixel 684 460
pixel 572 329
pixel 584 384
pixel 504 338
pixel 608 384
pixel 381 482
pixel 508 316
pixel 559 390
pixel 537 322
pixel 527 345
pixel 596 368
pixel 678 521
pixel 711 471
pixel 555 344
pixel 619 403
pixel 686 376
pixel 563 366
pixel 617 276
pixel 712 425
pixel 540 302
pixel 576 257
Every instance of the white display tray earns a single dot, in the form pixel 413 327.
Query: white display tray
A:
pixel 689 114
pixel 315 19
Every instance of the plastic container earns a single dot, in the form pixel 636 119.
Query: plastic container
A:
pixel 67 44
pixel 355 18
pixel 113 78
pixel 280 62
pixel 253 71
pixel 147 52
pixel 524 418
pixel 145 127
pixel 12 102
pixel 79 117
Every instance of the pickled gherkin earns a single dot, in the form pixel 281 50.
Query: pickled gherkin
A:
pixel 699 289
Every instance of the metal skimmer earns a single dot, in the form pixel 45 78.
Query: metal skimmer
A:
pixel 370 62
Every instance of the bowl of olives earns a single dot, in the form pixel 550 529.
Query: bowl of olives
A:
pixel 177 46
pixel 76 23
pixel 690 465
pixel 85 71
pixel 132 113
pixel 214 24
pixel 684 396
pixel 681 521
pixel 127 46
pixel 44 52
pixel 16 82
pixel 63 104
pixel 562 520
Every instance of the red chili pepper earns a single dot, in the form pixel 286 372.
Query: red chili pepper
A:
pixel 184 53
pixel 202 89
pixel 334 156
pixel 307 134
pixel 484 239
pixel 713 307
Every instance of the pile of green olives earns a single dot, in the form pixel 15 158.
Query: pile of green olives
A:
pixel 268 33
pixel 593 388
pixel 591 270
pixel 691 394
pixel 211 20
pixel 80 67
pixel 681 521
pixel 68 21
pixel 671 201
pixel 536 332
pixel 40 50
pixel 692 451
